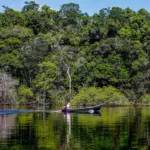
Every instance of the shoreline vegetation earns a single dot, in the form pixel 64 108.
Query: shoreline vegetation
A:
pixel 49 56
pixel 31 105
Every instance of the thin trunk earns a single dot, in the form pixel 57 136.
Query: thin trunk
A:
pixel 70 80
pixel 44 99
pixel 69 76
pixel 4 87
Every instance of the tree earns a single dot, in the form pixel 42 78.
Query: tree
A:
pixel 33 21
pixel 8 92
pixel 30 6
pixel 69 13
pixel 71 7
pixel 25 94
pixel 31 52
pixel 46 80
pixel 45 8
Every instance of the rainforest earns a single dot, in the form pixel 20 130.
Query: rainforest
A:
pixel 68 55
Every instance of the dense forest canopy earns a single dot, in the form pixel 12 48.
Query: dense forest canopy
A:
pixel 67 54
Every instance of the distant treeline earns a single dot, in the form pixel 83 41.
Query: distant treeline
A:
pixel 67 54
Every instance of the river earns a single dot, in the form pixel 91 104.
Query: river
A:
pixel 115 128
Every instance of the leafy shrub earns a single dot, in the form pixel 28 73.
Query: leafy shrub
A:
pixel 145 99
pixel 24 93
pixel 94 95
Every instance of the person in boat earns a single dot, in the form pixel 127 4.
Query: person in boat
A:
pixel 68 106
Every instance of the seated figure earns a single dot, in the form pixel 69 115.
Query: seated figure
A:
pixel 68 106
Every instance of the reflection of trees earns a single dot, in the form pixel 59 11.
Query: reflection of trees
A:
pixel 51 132
pixel 7 123
pixel 23 135
pixel 117 128
pixel 123 131
pixel 32 131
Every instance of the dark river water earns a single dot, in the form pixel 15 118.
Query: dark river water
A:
pixel 118 128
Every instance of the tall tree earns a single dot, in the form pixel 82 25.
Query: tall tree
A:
pixel 69 13
pixel 31 5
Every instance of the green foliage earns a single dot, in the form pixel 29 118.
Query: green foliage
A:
pixel 30 6
pixel 145 99
pixel 25 93
pixel 105 95
pixel 19 32
pixel 113 96
pixel 10 60
pixel 69 13
pixel 47 76
pixel 116 13
pixel 13 43
pixel 12 17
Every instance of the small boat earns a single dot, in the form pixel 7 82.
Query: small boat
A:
pixel 91 110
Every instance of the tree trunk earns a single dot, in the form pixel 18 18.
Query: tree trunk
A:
pixel 44 99
pixel 70 81
pixel 70 85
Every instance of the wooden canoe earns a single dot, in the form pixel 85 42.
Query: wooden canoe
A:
pixel 93 109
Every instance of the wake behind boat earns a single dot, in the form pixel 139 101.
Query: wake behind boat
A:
pixel 3 112
pixel 93 109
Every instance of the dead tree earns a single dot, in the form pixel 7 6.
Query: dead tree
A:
pixel 7 88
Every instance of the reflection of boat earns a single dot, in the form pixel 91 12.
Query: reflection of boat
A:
pixel 91 110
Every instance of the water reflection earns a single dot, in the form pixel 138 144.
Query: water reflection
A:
pixel 116 129
pixel 68 134
pixel 7 123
